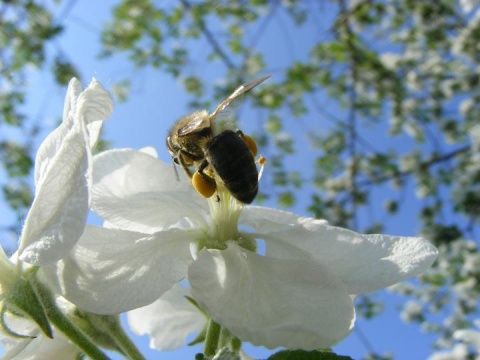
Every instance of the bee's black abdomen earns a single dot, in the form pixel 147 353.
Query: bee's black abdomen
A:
pixel 233 162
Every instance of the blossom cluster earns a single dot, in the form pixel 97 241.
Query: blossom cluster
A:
pixel 264 276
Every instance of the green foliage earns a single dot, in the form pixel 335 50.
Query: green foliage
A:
pixel 306 355
pixel 27 29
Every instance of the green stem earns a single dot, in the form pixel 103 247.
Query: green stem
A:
pixel 122 340
pixel 236 345
pixel 62 323
pixel 212 338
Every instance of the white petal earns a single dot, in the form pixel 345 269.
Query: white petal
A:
pixel 112 271
pixel 91 106
pixel 134 191
pixel 168 321
pixel 43 348
pixel 58 213
pixel 53 141
pixel 468 336
pixel 57 217
pixel 94 105
pixel 363 262
pixel 271 302
pixel 73 92
pixel 264 219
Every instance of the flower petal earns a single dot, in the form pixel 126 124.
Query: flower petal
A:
pixel 91 106
pixel 271 302
pixel 135 191
pixel 58 213
pixel 53 141
pixel 38 346
pixel 363 262
pixel 264 219
pixel 41 347
pixel 468 336
pixel 112 271
pixel 168 321
pixel 94 105
pixel 57 217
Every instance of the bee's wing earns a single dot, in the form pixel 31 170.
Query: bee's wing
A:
pixel 196 124
pixel 239 91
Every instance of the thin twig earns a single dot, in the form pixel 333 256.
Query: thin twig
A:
pixel 210 38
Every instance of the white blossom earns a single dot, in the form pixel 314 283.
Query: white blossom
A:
pixel 297 294
pixel 458 352
pixel 169 320
pixel 55 220
pixel 62 177
pixel 471 337
pixel 411 311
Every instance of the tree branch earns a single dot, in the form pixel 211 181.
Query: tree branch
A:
pixel 424 164
pixel 210 38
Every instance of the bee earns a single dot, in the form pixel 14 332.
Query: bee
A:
pixel 227 157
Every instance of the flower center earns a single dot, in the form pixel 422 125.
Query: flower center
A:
pixel 225 211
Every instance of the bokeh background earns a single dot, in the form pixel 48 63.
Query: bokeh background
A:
pixel 370 120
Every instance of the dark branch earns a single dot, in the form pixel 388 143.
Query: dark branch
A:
pixel 421 165
pixel 210 38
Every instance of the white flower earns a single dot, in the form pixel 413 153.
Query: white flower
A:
pixel 169 320
pixel 62 177
pixel 411 311
pixel 56 219
pixel 458 352
pixel 470 336
pixel 298 294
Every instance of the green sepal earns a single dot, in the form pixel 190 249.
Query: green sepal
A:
pixel 194 303
pixel 62 323
pixel 307 355
pixel 107 332
pixel 97 327
pixel 201 335
pixel 23 299
pixel 226 354
pixel 223 354
pixel 200 338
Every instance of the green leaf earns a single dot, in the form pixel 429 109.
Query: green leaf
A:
pixel 286 199
pixel 306 355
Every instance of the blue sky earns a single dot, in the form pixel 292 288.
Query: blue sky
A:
pixel 157 101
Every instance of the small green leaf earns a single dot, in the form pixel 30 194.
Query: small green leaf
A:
pixel 306 355
pixel 286 199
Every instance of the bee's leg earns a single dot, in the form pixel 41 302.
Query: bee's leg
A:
pixel 203 183
pixel 185 167
pixel 208 178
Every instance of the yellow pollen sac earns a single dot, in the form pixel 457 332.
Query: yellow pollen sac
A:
pixel 203 186
pixel 261 161
pixel 251 144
